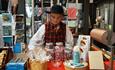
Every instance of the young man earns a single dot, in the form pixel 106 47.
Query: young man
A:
pixel 53 31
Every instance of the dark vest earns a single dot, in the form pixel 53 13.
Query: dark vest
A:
pixel 52 34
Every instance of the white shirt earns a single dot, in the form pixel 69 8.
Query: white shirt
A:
pixel 38 38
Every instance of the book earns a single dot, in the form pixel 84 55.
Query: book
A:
pixel 7 17
pixel 96 60
pixel 7 30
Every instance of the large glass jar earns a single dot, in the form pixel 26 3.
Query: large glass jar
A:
pixel 58 54
pixel 50 49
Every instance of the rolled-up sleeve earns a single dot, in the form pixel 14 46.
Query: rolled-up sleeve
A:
pixel 69 39
pixel 38 38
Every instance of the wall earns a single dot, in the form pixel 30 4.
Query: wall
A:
pixel 106 9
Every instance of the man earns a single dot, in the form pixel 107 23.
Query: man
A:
pixel 53 31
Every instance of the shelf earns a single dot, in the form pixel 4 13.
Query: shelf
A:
pixel 21 22
pixel 7 36
pixel 7 24
pixel 19 15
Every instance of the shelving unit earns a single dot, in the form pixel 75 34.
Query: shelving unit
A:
pixel 106 10
pixel 7 29
pixel 19 28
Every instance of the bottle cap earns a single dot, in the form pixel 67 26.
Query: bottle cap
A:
pixel 59 43
pixel 49 43
pixel 76 48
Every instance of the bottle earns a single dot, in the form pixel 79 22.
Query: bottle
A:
pixel 76 55
pixel 59 44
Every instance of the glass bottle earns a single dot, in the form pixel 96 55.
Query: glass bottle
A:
pixel 76 55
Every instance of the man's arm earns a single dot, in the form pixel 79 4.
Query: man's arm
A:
pixel 38 38
pixel 69 39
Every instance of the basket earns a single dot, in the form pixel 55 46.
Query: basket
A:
pixel 37 65
pixel 69 68
pixel 85 67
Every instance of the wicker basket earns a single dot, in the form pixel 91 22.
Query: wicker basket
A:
pixel 85 67
pixel 69 68
pixel 37 65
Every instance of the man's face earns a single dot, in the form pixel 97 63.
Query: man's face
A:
pixel 55 18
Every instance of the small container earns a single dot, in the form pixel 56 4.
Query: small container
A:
pixel 50 49
pixel 59 43
pixel 76 55
pixel 58 54
pixel 49 45
pixel 59 51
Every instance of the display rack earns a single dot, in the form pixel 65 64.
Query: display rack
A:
pixel 7 29
pixel 19 28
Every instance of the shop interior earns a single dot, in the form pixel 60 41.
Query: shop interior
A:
pixel 91 23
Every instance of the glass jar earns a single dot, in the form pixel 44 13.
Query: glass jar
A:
pixel 58 54
pixel 49 45
pixel 50 49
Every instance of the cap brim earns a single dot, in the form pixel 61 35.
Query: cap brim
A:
pixel 48 12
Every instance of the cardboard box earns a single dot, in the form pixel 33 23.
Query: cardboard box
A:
pixel 96 60
pixel 84 45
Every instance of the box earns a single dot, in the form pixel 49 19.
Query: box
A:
pixel 7 17
pixel 7 30
pixel 17 48
pixel 84 45
pixel 17 64
pixel 96 60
